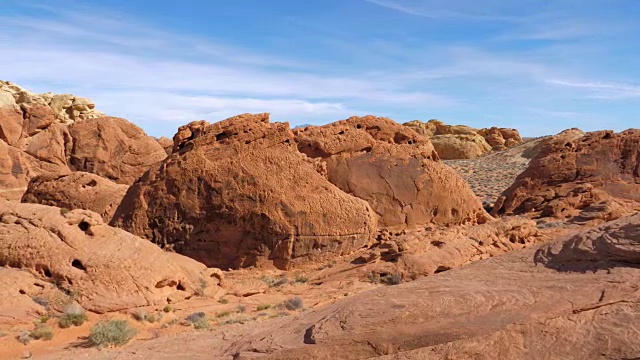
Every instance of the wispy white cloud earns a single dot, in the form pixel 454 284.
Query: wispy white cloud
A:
pixel 447 9
pixel 601 90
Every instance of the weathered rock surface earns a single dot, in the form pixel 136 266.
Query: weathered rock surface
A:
pixel 77 190
pixel 515 306
pixel 572 172
pixel 453 142
pixel 237 193
pixel 167 144
pixel 451 147
pixel 113 148
pixel 49 134
pixel 394 169
pixel 108 268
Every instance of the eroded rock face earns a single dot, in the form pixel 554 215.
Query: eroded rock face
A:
pixel 454 142
pixel 35 139
pixel 572 172
pixel 394 169
pixel 113 148
pixel 109 268
pixel 77 190
pixel 237 193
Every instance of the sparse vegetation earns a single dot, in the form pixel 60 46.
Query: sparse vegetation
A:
pixel 300 279
pixel 195 317
pixel 44 318
pixel 241 308
pixel 24 337
pixel 393 279
pixel 202 286
pixel 274 282
pixel 235 320
pixel 142 315
pixel 114 332
pixel 223 301
pixel 223 314
pixel 202 324
pixel 63 211
pixel 42 332
pixel 279 314
pixel 74 315
pixel 41 301
pixel 167 309
pixel 263 307
pixel 293 304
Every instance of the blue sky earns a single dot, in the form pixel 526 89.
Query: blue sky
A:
pixel 538 66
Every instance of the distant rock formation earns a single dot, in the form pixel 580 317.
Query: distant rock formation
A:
pixel 57 134
pixel 575 172
pixel 454 142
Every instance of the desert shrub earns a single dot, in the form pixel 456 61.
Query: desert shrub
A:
pixel 43 332
pixel 393 279
pixel 74 315
pixel 195 317
pixel 167 309
pixel 300 279
pixel 293 303
pixel 41 301
pixel 142 315
pixel 223 314
pixel 202 324
pixel 44 318
pixel 63 211
pixel 24 337
pixel 278 314
pixel 241 308
pixel 223 301
pixel 235 320
pixel 113 332
pixel 274 282
pixel 202 286
pixel 373 278
pixel 263 307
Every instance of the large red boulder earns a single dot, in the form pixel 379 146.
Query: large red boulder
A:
pixel 395 169
pixel 238 193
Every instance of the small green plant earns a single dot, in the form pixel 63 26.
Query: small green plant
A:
pixel 63 211
pixel 142 315
pixel 113 332
pixel 300 279
pixel 263 307
pixel 44 318
pixel 278 314
pixel 293 304
pixel 223 314
pixel 274 282
pixel 2 334
pixel 195 317
pixel 42 332
pixel 202 324
pixel 241 308
pixel 74 315
pixel 167 309
pixel 223 301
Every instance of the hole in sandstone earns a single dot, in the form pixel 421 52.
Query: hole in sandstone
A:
pixel 22 292
pixel 367 149
pixel 410 142
pixel 568 145
pixel 287 141
pixel 92 183
pixel 455 212
pixel 221 136
pixel 358 126
pixel 165 283
pixel 607 136
pixel 441 268
pixel 78 265
pixel 84 226
pixel 437 243
pixel 248 142
pixel 46 272
pixel 181 287
pixel 341 132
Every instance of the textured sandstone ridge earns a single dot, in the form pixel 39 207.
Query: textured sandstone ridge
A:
pixel 463 142
pixel 237 193
pixel 574 172
pixel 78 190
pixel 57 134
pixel 480 311
pixel 394 169
pixel 109 268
